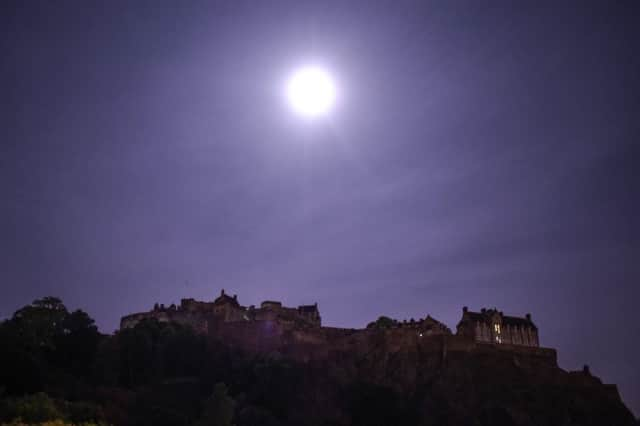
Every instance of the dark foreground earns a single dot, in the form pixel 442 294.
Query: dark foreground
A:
pixel 54 365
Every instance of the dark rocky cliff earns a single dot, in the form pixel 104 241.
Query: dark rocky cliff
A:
pixel 167 374
pixel 482 385
pixel 376 377
pixel 382 378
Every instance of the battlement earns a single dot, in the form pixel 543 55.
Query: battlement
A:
pixel 298 331
pixel 225 309
pixel 423 327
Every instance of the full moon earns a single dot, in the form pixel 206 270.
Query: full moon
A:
pixel 311 91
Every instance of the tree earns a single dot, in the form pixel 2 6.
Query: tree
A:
pixel 382 322
pixel 77 343
pixel 252 415
pixel 137 353
pixel 30 409
pixel 43 339
pixel 27 342
pixel 38 323
pixel 218 409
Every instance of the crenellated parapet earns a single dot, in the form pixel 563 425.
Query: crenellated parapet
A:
pixel 226 309
pixel 274 327
pixel 427 326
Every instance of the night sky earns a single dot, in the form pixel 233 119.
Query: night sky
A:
pixel 479 154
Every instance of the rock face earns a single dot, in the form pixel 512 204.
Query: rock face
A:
pixel 396 376
pixel 476 384
pixel 444 380
pixel 491 372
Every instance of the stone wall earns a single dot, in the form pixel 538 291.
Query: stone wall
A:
pixel 224 309
pixel 275 328
pixel 196 321
pixel 305 344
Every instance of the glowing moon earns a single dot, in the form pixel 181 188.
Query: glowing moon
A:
pixel 311 92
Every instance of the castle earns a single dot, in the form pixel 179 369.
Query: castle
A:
pixel 225 309
pixel 225 318
pixel 492 326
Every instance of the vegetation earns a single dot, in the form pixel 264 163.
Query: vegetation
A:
pixel 382 323
pixel 56 369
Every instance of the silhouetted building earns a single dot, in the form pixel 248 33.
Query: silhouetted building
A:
pixel 492 326
pixel 226 309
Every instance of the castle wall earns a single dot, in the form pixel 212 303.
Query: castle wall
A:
pixel 225 309
pixel 297 332
pixel 180 317
pixel 258 336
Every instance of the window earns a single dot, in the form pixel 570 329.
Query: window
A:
pixel 496 327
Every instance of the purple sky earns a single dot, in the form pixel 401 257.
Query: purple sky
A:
pixel 479 155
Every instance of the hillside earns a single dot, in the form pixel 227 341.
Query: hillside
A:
pixel 55 365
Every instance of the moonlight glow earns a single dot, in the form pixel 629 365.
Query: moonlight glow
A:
pixel 311 92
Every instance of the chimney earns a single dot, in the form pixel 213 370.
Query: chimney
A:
pixel 483 310
pixel 464 309
pixel 222 292
pixel 235 297
pixel 585 370
pixel 528 317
